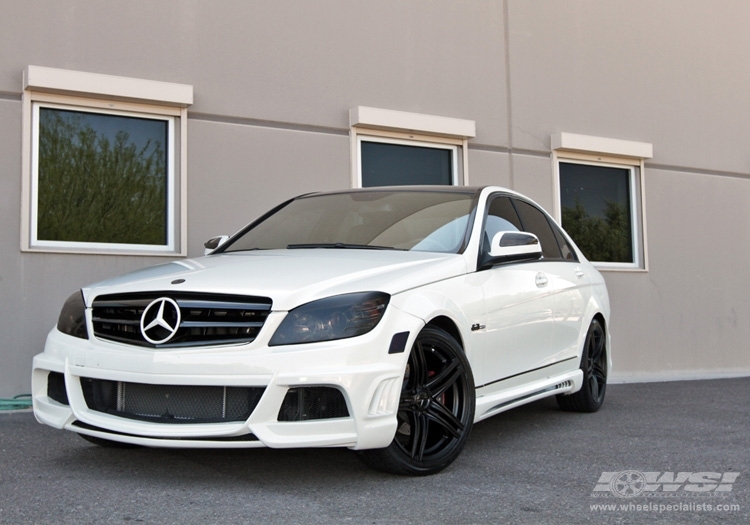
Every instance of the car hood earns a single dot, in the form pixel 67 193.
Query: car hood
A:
pixel 289 277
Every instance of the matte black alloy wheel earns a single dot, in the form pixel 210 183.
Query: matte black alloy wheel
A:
pixel 436 409
pixel 594 367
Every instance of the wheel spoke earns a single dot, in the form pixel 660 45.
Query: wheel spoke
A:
pixel 596 345
pixel 418 435
pixel 418 365
pixel 600 373
pixel 445 379
pixel 596 369
pixel 594 386
pixel 440 414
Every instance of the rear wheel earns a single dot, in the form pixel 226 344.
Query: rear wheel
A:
pixel 594 366
pixel 436 409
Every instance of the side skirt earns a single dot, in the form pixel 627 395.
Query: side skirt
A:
pixel 523 389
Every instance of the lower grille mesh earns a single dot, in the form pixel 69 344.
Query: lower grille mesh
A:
pixel 171 403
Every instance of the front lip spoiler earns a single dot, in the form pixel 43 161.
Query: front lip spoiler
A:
pixel 86 426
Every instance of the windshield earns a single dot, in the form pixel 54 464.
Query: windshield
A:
pixel 430 221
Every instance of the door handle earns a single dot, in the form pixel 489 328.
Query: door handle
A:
pixel 541 280
pixel 580 273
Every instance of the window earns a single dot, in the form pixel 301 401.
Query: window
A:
pixel 596 203
pixel 403 163
pixel 505 214
pixel 536 222
pixel 501 217
pixel 101 178
pixel 433 221
pixel 393 148
pixel 103 175
pixel 600 197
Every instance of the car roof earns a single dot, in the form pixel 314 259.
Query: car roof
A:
pixel 468 190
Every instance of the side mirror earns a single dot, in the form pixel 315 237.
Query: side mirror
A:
pixel 512 246
pixel 211 244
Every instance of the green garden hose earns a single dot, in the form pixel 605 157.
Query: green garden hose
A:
pixel 17 403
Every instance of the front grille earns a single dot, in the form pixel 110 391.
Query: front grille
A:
pixel 171 403
pixel 307 403
pixel 206 319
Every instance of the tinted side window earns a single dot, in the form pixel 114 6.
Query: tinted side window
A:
pixel 534 221
pixel 567 250
pixel 501 217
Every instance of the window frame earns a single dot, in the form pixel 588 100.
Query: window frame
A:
pixel 35 242
pixel 410 129
pixel 453 148
pixel 634 209
pixel 105 94
pixel 554 229
pixel 608 153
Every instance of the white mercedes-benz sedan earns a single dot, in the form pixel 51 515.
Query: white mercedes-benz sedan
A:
pixel 385 320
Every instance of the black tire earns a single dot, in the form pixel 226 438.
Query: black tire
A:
pixel 436 409
pixel 107 443
pixel 594 366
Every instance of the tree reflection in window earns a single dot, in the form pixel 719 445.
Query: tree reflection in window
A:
pixel 596 210
pixel 102 178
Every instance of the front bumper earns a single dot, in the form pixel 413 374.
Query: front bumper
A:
pixel 361 368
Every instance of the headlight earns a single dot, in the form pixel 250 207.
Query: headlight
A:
pixel 337 317
pixel 72 320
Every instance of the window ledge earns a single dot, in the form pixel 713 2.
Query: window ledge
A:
pixel 589 144
pixel 63 81
pixel 388 119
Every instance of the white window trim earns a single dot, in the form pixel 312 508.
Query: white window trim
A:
pixel 413 129
pixel 35 242
pixel 614 153
pixel 103 94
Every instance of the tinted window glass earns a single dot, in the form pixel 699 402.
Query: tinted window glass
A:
pixel 409 220
pixel 534 221
pixel 101 178
pixel 400 165
pixel 596 210
pixel 567 250
pixel 501 217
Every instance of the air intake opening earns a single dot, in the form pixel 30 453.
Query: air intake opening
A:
pixel 304 404
pixel 56 388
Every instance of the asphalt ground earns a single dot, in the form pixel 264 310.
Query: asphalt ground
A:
pixel 534 464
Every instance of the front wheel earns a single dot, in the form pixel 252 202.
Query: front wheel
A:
pixel 594 366
pixel 436 409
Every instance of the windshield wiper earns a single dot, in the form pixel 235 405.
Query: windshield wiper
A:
pixel 245 250
pixel 341 246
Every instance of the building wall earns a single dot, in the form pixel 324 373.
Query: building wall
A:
pixel 274 81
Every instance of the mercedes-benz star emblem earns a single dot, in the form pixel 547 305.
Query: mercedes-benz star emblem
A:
pixel 160 320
